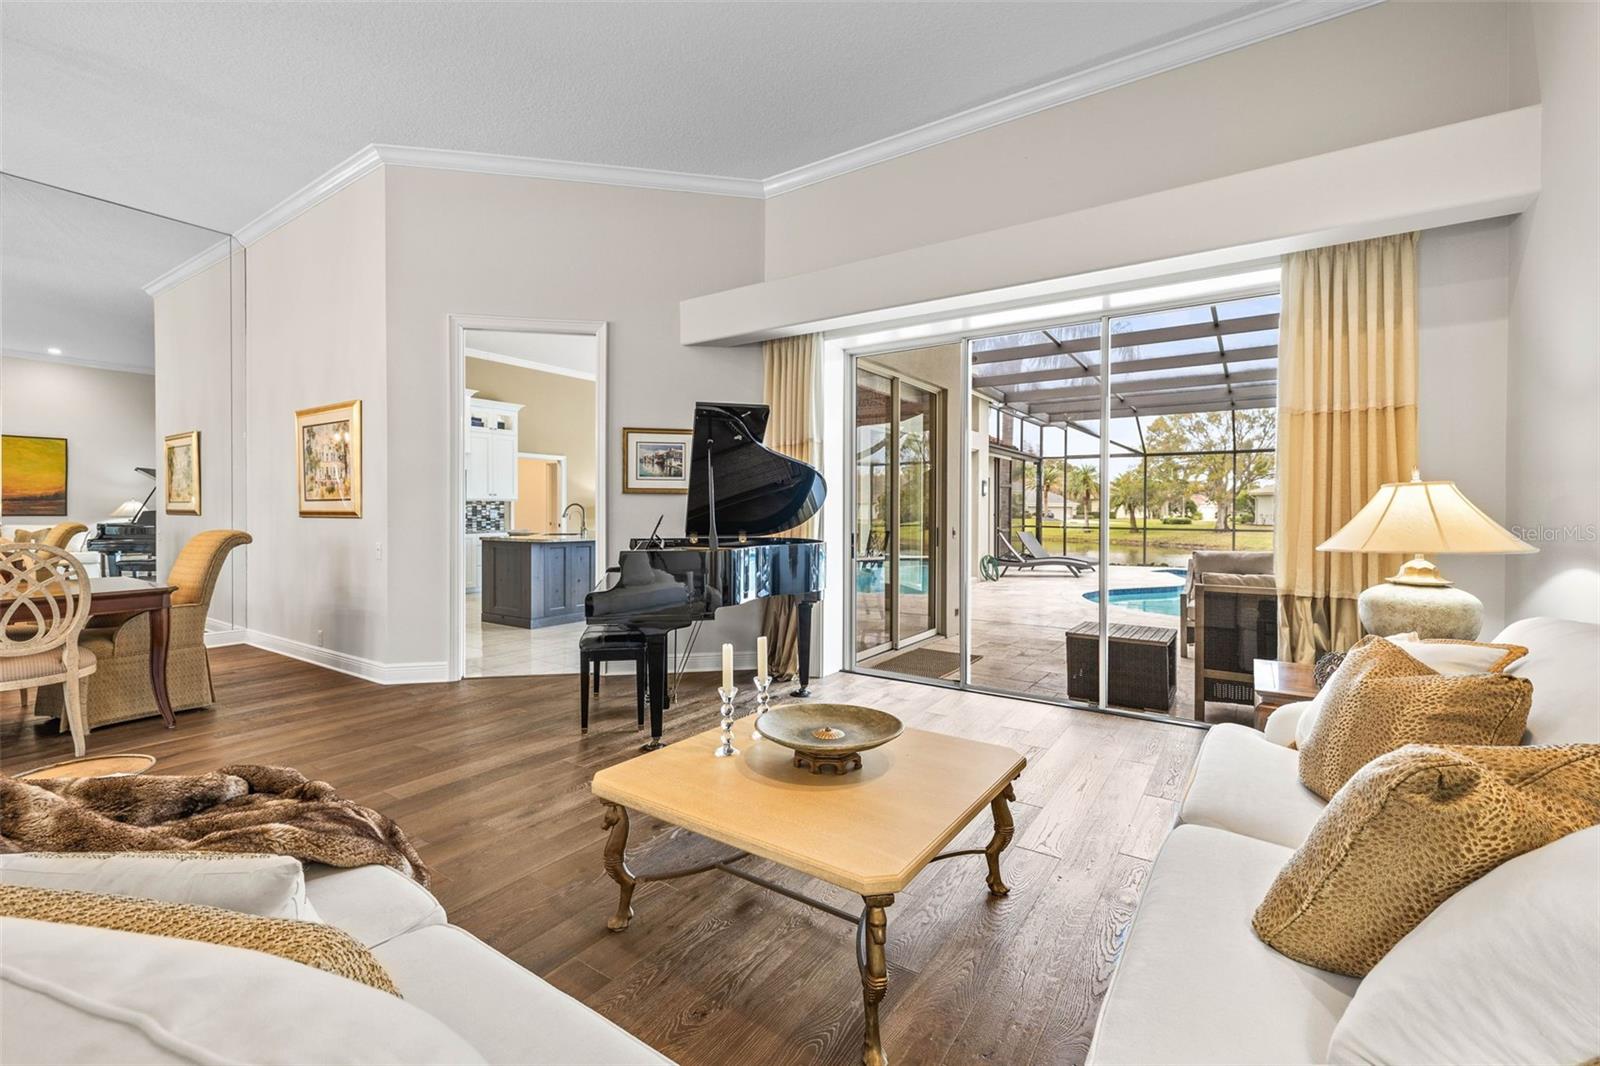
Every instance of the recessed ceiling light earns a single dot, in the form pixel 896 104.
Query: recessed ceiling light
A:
pixel 52 351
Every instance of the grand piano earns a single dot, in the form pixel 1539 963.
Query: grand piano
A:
pixel 741 495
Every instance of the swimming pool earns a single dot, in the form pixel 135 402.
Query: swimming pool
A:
pixel 1154 600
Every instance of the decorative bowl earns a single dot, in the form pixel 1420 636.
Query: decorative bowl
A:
pixel 828 736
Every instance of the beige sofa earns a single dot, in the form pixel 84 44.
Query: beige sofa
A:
pixel 1194 985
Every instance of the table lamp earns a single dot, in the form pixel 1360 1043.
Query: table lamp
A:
pixel 1420 518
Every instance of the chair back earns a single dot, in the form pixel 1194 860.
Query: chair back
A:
pixel 1004 550
pixel 1031 545
pixel 44 598
pixel 194 573
pixel 60 535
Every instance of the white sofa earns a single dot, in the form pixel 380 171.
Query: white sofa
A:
pixel 1195 985
pixel 89 559
pixel 81 995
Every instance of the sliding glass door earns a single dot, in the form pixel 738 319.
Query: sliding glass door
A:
pixel 897 563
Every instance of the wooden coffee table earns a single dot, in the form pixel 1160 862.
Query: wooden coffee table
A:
pixel 1278 682
pixel 870 832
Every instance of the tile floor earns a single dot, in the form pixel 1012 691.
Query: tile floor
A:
pixel 502 651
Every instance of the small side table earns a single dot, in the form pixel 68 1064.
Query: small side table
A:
pixel 1278 682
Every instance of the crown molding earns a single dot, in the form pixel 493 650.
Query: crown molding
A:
pixel 308 196
pixel 528 364
pixel 72 360
pixel 560 170
pixel 1283 17
pixel 191 266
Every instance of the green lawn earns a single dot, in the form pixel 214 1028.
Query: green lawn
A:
pixel 1163 543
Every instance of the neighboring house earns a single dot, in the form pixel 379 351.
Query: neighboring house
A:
pixel 1266 497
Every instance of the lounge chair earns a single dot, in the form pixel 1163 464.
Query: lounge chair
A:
pixel 1008 558
pixel 1036 551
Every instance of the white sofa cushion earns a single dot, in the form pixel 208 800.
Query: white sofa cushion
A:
pixel 1245 783
pixel 1506 970
pixel 1563 662
pixel 271 886
pixel 1281 723
pixel 507 1013
pixel 374 904
pixel 1194 985
pixel 71 993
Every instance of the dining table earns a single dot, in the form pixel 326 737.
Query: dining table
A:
pixel 117 596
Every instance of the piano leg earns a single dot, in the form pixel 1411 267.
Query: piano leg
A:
pixel 656 660
pixel 803 640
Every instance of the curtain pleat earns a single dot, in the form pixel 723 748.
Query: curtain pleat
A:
pixel 792 386
pixel 1347 423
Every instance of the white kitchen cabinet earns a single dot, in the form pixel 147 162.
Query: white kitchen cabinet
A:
pixel 491 464
pixel 472 561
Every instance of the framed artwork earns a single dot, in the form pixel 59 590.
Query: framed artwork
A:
pixel 33 475
pixel 656 460
pixel 183 473
pixel 328 467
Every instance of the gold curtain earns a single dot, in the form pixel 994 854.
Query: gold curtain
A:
pixel 792 388
pixel 1347 423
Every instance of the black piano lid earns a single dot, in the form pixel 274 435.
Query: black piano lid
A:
pixel 759 491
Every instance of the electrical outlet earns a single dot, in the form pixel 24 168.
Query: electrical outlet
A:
pixel 380 551
pixel 319 639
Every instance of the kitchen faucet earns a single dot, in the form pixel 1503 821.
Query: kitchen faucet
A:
pixel 583 518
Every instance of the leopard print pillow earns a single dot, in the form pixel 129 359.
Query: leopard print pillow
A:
pixel 1411 829
pixel 1381 698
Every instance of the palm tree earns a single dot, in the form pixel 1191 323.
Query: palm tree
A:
pixel 1083 484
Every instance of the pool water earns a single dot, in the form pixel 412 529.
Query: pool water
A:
pixel 913 576
pixel 1154 600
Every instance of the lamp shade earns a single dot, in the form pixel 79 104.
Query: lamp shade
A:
pixel 128 508
pixel 1425 518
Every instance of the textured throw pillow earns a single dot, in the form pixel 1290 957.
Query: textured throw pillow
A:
pixel 1413 827
pixel 1467 985
pixel 312 943
pixel 269 886
pixel 1381 699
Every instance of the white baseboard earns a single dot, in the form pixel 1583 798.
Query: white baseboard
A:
pixel 221 636
pixel 342 662
pixel 702 661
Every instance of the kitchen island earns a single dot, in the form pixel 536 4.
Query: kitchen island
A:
pixel 536 580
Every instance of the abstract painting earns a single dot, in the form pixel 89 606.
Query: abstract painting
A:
pixel 329 462
pixel 656 460
pixel 33 476
pixel 183 473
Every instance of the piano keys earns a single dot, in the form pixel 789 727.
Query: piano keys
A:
pixel 741 496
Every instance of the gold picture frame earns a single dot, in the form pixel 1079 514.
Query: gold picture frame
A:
pixel 656 460
pixel 181 461
pixel 328 460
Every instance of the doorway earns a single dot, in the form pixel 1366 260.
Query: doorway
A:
pixel 529 484
pixel 898 564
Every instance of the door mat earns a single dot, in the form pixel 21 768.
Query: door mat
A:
pixel 925 662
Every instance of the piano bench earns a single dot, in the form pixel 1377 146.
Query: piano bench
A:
pixel 610 643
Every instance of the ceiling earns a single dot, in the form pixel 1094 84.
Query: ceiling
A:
pixel 214 113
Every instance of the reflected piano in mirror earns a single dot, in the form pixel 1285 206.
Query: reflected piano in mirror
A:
pixel 742 494
pixel 127 543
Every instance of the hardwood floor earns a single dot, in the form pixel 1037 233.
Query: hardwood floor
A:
pixel 490 777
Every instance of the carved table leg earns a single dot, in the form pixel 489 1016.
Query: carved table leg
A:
pixel 870 935
pixel 617 865
pixel 1003 831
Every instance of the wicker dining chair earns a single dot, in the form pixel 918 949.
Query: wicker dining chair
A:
pixel 44 604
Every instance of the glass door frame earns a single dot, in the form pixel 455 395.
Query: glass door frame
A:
pixel 937 571
pixel 853 354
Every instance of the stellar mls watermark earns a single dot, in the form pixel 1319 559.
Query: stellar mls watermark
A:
pixel 1574 533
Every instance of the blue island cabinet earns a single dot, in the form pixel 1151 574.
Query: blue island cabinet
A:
pixel 536 581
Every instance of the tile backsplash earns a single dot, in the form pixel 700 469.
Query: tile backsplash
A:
pixel 488 516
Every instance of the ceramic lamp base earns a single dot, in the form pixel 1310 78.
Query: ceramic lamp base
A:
pixel 1437 612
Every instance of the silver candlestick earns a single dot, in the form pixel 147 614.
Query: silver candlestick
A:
pixel 726 748
pixel 763 704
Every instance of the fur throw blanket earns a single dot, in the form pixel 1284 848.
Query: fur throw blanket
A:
pixel 256 809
